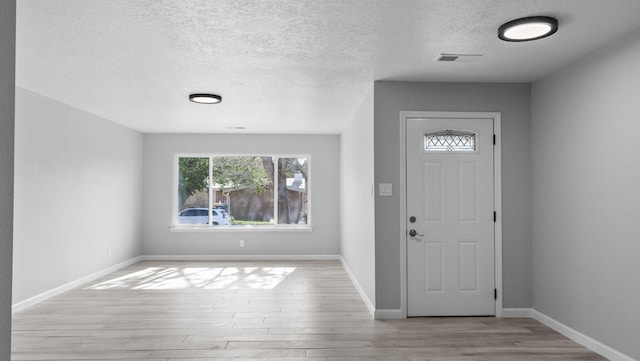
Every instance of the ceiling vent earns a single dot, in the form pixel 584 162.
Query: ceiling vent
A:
pixel 458 58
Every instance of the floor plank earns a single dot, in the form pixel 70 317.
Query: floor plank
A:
pixel 240 311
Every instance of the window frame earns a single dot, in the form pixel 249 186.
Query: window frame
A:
pixel 176 227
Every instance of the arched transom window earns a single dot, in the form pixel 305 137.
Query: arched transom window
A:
pixel 450 141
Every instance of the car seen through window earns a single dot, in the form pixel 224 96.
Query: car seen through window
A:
pixel 199 216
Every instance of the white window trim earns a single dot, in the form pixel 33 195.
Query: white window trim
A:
pixel 246 229
pixel 175 227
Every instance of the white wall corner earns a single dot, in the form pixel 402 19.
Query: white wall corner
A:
pixel 355 282
pixel 23 305
pixel 516 312
pixel 584 340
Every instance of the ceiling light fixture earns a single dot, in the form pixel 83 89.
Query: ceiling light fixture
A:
pixel 527 29
pixel 205 98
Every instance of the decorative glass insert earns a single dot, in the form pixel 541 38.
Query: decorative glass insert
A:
pixel 450 141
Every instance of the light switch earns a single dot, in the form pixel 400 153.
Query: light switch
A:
pixel 386 190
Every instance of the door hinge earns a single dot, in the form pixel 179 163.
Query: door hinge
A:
pixel 494 139
pixel 495 293
pixel 495 217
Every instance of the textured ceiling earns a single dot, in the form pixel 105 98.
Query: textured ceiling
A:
pixel 282 66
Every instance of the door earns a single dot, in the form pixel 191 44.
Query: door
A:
pixel 450 217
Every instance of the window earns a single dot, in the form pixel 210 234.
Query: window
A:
pixel 450 141
pixel 242 191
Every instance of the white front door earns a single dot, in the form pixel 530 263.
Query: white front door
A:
pixel 450 217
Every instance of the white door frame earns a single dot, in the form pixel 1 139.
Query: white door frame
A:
pixel 497 192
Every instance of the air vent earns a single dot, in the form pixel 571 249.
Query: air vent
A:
pixel 458 58
pixel 448 58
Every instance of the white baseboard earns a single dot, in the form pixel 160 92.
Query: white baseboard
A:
pixel 381 314
pixel 581 338
pixel 22 305
pixel 240 257
pixel 516 312
pixel 355 282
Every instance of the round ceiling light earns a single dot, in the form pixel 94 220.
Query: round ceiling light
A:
pixel 527 29
pixel 205 98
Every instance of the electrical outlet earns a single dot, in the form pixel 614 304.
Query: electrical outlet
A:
pixel 110 253
pixel 241 243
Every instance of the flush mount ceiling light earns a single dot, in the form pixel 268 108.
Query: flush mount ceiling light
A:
pixel 205 98
pixel 527 29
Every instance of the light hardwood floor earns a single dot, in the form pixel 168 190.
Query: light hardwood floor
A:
pixel 285 311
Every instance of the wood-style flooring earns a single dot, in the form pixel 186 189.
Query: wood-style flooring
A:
pixel 285 311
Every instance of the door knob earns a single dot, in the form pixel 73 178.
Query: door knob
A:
pixel 413 233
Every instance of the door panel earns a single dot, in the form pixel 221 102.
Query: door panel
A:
pixel 433 270
pixel 433 192
pixel 467 192
pixel 468 266
pixel 450 260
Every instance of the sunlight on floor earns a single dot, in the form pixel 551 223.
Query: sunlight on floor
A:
pixel 213 278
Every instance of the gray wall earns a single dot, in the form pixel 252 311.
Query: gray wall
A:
pixel 513 101
pixel 586 203
pixel 78 193
pixel 7 85
pixel 159 153
pixel 357 225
